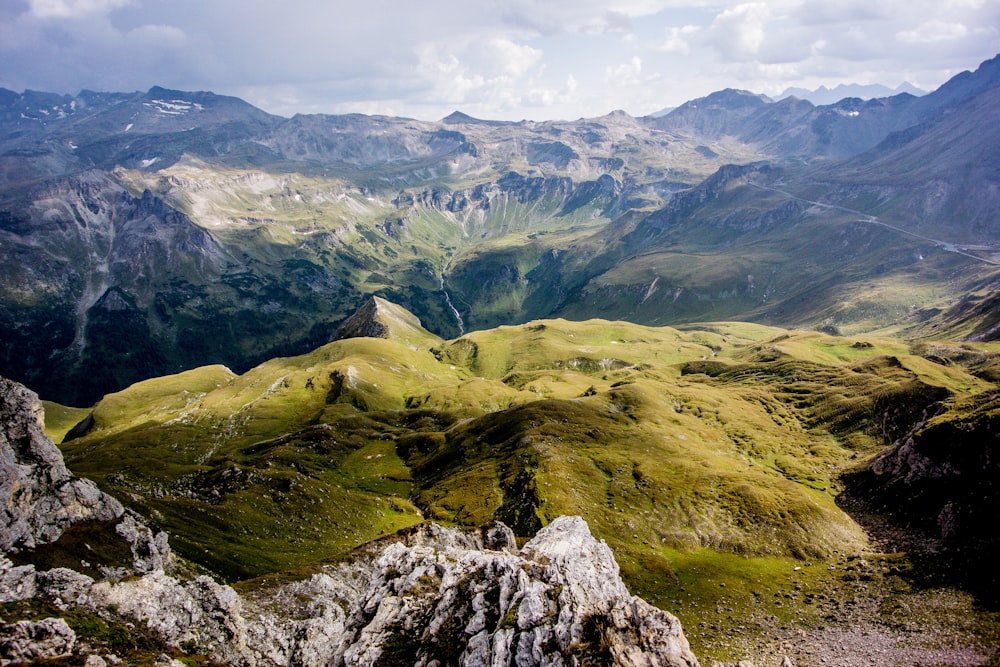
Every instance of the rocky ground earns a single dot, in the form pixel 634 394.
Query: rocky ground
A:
pixel 892 606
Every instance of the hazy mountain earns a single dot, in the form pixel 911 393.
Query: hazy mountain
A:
pixel 824 95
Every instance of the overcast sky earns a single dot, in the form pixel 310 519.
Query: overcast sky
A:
pixel 498 59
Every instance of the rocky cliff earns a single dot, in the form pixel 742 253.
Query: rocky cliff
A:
pixel 39 498
pixel 429 596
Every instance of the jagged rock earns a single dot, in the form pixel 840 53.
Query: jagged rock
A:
pixel 39 497
pixel 16 583
pixel 201 612
pixel 432 594
pixel 498 536
pixel 150 551
pixel 26 641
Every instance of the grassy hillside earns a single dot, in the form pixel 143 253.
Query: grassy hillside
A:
pixel 730 437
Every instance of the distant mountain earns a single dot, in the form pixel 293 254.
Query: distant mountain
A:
pixel 146 233
pixel 824 95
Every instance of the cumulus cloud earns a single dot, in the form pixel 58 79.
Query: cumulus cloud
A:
pixel 738 32
pixel 626 73
pixel 678 39
pixel 500 58
pixel 933 31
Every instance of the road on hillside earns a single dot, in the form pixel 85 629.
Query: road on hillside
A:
pixel 871 219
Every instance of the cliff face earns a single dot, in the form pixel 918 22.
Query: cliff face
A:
pixel 39 497
pixel 429 596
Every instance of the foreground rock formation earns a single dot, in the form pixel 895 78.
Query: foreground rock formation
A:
pixel 39 497
pixel 432 596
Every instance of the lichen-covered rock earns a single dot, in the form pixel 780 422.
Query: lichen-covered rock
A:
pixel 559 601
pixel 39 497
pixel 199 612
pixel 25 642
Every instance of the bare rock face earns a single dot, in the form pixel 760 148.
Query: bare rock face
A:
pixel 39 497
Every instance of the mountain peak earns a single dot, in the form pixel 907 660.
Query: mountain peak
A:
pixel 378 318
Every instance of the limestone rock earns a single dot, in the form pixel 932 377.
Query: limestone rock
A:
pixel 201 612
pixel 39 497
pixel 430 596
pixel 16 583
pixel 26 641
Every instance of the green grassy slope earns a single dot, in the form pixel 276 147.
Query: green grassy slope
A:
pixel 729 438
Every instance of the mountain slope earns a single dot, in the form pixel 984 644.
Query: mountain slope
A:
pixel 708 459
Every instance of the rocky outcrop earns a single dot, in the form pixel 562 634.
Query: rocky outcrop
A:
pixel 39 497
pixel 435 596
pixel 25 642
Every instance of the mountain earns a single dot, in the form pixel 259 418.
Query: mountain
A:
pixel 824 95
pixel 203 231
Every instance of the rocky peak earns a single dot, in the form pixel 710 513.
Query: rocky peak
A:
pixel 431 595
pixel 378 318
pixel 40 499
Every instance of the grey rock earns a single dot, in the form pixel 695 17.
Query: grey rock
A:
pixel 26 641
pixel 201 612
pixel 16 583
pixel 150 551
pixel 497 536
pixel 39 497
pixel 433 596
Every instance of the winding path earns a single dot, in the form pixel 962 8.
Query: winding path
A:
pixel 871 219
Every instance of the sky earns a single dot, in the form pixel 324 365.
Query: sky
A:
pixel 495 59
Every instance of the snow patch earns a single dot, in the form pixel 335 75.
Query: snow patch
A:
pixel 173 107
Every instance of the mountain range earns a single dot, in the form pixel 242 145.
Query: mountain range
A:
pixel 824 95
pixel 200 229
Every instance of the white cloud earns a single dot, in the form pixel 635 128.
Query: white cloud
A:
pixel 677 39
pixel 933 31
pixel 493 58
pixel 738 32
pixel 62 9
pixel 513 59
pixel 625 74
